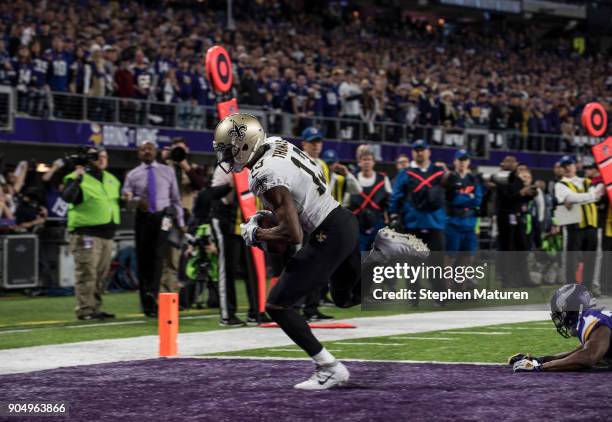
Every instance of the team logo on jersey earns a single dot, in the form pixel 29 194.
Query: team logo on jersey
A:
pixel 237 132
pixel 321 237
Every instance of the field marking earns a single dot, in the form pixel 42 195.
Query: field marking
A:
pixel 364 343
pixel 299 350
pixel 26 330
pixel 481 333
pixel 423 338
pixel 436 362
pixel 526 328
pixel 102 324
pixel 26 323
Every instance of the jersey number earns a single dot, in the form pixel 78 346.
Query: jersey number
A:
pixel 316 180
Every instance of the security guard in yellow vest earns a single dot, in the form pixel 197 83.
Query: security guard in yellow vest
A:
pixel 93 215
pixel 579 239
pixel 339 179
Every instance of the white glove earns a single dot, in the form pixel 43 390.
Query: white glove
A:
pixel 527 365
pixel 248 231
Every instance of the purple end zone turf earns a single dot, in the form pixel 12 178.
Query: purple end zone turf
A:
pixel 246 390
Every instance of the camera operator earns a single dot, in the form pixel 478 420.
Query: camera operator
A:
pixel 93 215
pixel 190 179
pixel 513 195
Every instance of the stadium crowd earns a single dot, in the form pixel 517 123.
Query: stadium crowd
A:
pixel 289 59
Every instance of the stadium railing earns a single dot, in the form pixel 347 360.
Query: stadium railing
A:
pixel 185 115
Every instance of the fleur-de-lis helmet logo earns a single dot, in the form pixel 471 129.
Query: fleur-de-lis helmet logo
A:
pixel 237 132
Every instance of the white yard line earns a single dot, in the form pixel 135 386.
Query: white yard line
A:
pixel 422 338
pixel 28 359
pixel 347 360
pixel 365 343
pixel 482 333
pixel 102 324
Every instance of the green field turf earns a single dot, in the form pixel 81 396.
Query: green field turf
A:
pixel 490 344
pixel 35 321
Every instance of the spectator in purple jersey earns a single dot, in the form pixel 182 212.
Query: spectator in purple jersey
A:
pixel 24 78
pixel 185 83
pixel 59 62
pixel 203 97
pixel 7 73
pixel 58 77
pixel 143 76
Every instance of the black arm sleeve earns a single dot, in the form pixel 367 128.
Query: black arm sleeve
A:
pixel 72 192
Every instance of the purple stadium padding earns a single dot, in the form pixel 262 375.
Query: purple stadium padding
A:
pixel 261 390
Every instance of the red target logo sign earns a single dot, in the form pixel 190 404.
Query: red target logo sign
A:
pixel 594 119
pixel 219 68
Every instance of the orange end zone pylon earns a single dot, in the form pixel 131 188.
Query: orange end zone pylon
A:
pixel 168 323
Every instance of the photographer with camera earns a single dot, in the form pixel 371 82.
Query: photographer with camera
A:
pixel 30 213
pixel 93 215
pixel 191 179
pixel 514 192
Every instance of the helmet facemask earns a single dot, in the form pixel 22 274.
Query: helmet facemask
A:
pixel 567 305
pixel 237 138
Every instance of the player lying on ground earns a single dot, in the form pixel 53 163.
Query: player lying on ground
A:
pixel 574 313
pixel 292 186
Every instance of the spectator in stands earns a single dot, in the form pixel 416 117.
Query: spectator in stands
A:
pixel 6 215
pixel 350 100
pixel 59 62
pixel 39 80
pixel 125 83
pixel 185 83
pixel 23 79
pixel 93 216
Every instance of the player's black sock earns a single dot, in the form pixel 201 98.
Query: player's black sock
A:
pixel 295 326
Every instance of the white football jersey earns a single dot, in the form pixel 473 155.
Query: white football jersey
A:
pixel 284 164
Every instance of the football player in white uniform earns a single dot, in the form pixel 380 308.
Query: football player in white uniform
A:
pixel 292 186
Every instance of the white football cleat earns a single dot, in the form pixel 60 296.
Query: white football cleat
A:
pixel 394 245
pixel 325 377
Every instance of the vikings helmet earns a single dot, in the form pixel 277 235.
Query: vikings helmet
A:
pixel 566 305
pixel 237 137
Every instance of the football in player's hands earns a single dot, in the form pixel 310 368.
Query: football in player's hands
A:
pixel 519 356
pixel 277 246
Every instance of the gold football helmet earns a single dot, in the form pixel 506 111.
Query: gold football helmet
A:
pixel 237 137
